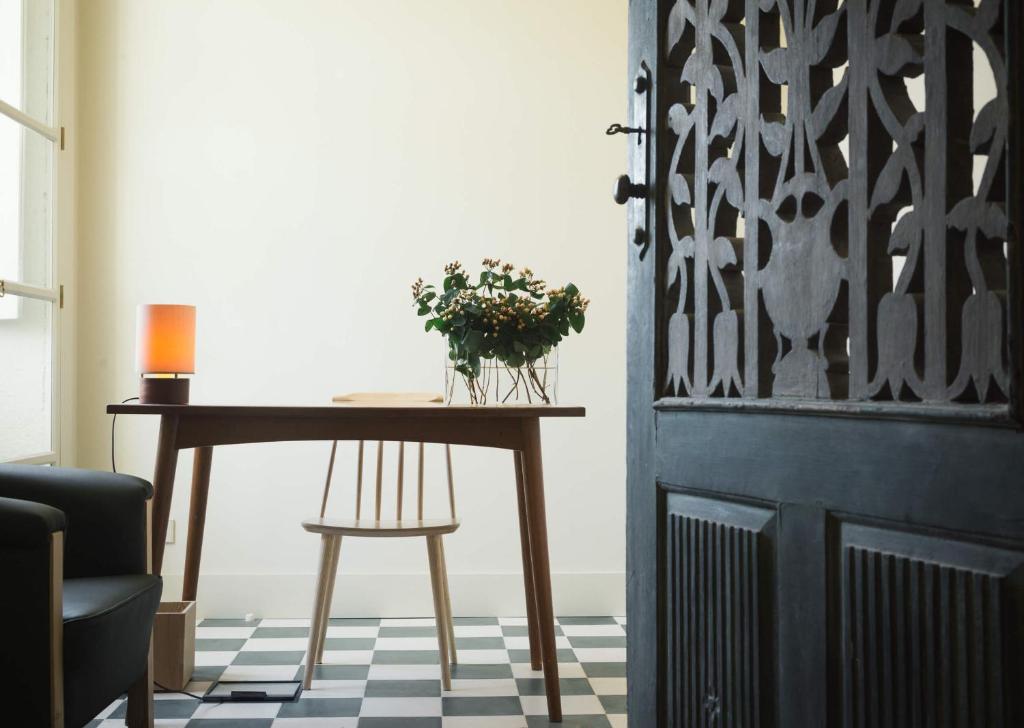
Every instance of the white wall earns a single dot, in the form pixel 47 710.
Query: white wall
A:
pixel 290 168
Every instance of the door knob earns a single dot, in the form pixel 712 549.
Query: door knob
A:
pixel 625 189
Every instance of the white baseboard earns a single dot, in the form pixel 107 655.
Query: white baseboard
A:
pixel 398 595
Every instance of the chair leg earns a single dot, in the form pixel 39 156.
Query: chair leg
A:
pixel 318 601
pixel 140 711
pixel 328 596
pixel 436 583
pixel 449 623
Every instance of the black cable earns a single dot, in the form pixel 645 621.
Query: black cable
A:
pixel 113 423
pixel 164 689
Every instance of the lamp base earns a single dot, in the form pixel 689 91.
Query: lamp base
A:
pixel 163 391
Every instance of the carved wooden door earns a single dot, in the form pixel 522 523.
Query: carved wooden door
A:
pixel 826 461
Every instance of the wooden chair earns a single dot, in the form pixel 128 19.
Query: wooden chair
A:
pixel 331 531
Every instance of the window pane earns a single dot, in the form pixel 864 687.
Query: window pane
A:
pixel 25 379
pixel 26 203
pixel 26 56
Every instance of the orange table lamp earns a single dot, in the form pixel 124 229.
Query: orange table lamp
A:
pixel 165 348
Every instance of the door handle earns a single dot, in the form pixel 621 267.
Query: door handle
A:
pixel 625 190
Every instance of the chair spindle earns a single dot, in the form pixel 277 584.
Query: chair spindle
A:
pixel 359 482
pixel 401 476
pixel 419 508
pixel 451 484
pixel 380 478
pixel 327 485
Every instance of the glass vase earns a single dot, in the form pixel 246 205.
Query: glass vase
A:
pixel 534 383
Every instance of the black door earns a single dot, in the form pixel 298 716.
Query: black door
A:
pixel 826 462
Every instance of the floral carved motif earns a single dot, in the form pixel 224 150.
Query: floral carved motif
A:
pixel 835 205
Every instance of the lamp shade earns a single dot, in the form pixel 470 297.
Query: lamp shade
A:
pixel 165 339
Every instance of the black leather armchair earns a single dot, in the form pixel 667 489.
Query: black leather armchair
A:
pixel 76 600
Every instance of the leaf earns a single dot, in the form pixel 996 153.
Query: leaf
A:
pixel 725 118
pixel 471 341
pixel 673 268
pixel 985 127
pixel 680 189
pixel 988 217
pixel 887 184
pixel 577 319
pixel 571 290
pixel 776 65
pixel 906 234
pixel 723 253
pixel 691 69
pixel 775 136
pixel 827 116
pixel 825 41
pixel 423 310
pixel 905 10
pixel 723 172
pixel 896 55
pixel 429 325
pixel 682 13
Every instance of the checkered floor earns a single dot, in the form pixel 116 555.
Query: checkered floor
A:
pixel 384 673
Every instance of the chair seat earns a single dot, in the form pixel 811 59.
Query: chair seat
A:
pixel 107 623
pixel 381 529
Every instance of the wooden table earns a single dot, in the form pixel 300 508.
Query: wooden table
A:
pixel 511 427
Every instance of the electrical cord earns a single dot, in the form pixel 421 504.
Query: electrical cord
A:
pixel 165 689
pixel 113 424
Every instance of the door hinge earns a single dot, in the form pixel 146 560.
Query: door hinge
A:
pixel 61 296
pixel 62 138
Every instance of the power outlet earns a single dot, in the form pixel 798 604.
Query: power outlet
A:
pixel 170 532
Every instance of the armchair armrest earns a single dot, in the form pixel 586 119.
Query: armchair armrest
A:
pixel 31 544
pixel 26 525
pixel 104 514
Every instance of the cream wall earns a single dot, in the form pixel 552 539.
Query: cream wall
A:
pixel 290 168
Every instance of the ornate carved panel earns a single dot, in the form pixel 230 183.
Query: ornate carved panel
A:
pixel 926 631
pixel 837 227
pixel 718 596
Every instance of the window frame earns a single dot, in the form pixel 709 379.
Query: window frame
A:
pixel 53 293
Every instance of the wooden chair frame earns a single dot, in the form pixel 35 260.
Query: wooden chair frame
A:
pixel 332 530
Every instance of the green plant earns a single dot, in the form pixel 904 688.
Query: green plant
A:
pixel 499 315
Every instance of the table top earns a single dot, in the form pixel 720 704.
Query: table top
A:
pixel 343 410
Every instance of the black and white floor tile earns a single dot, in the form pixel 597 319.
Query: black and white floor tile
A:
pixel 384 673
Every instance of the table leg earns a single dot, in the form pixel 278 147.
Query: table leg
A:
pixel 528 578
pixel 534 471
pixel 196 521
pixel 163 485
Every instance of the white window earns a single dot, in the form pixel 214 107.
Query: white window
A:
pixel 29 304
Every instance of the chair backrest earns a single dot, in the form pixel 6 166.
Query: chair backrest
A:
pixel 389 398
